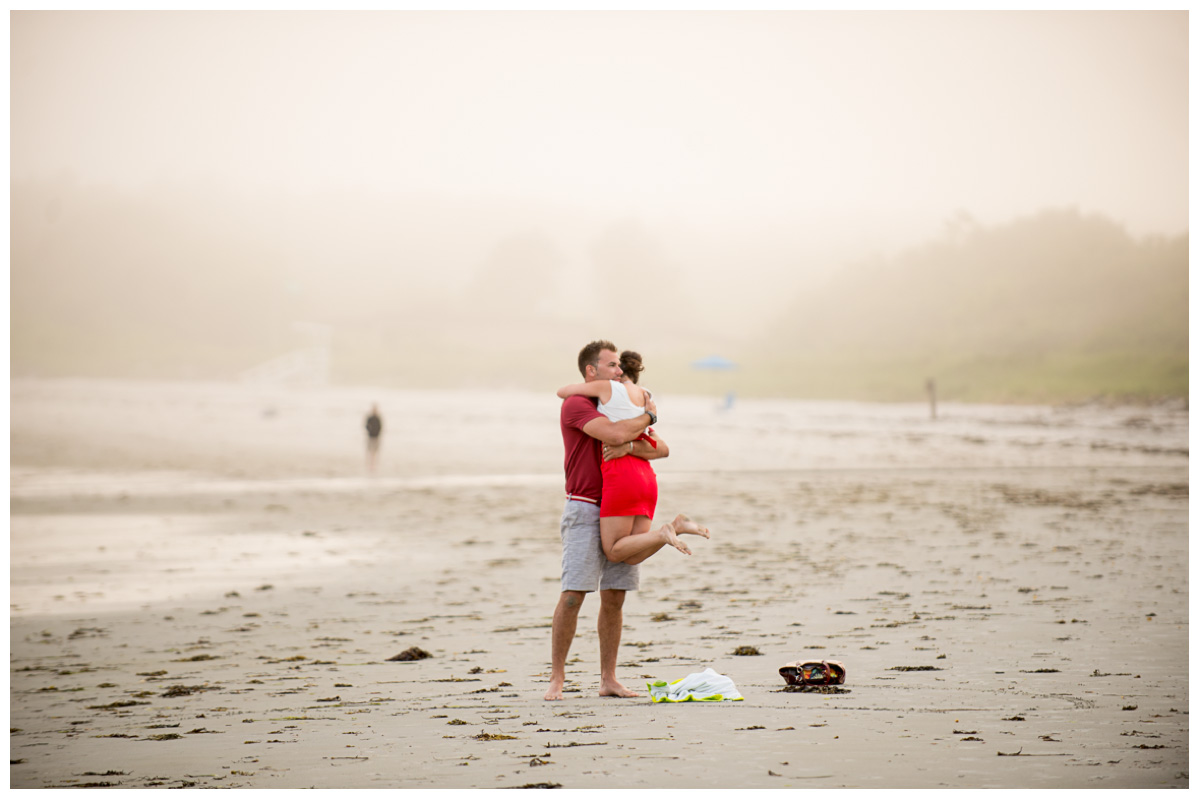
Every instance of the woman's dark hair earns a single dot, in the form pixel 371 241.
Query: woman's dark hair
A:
pixel 631 365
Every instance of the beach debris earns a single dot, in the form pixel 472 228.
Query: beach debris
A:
pixel 125 704
pixel 163 737
pixel 815 690
pixel 1036 671
pixel 411 654
pixel 183 691
pixel 1015 718
pixel 201 657
pixel 538 786
pixel 746 650
pixel 80 633
pixel 457 722
pixel 1129 708
pixel 661 616
pixel 538 762
pixel 492 737
pixel 915 669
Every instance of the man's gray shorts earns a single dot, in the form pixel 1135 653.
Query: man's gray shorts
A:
pixel 584 565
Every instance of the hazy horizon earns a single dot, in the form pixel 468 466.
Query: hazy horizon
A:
pixel 671 180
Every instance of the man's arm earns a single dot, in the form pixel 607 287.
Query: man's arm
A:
pixel 640 448
pixel 614 433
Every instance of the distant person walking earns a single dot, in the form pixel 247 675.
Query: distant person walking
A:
pixel 374 426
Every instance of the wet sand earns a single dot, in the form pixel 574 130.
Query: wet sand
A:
pixel 1005 620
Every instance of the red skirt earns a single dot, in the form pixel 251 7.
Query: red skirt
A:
pixel 630 488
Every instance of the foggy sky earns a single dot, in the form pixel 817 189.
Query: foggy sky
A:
pixel 743 118
pixel 712 161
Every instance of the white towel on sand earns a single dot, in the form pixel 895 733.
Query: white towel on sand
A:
pixel 710 686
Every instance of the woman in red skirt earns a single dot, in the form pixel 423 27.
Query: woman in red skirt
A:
pixel 630 486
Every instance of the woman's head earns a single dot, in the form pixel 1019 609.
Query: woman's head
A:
pixel 631 365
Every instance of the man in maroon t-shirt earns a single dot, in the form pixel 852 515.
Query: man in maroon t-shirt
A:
pixel 584 565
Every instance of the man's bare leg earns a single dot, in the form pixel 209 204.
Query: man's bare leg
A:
pixel 609 628
pixel 566 616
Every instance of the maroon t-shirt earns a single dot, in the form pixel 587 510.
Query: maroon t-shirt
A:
pixel 582 462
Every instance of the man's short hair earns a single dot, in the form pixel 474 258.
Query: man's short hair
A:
pixel 590 354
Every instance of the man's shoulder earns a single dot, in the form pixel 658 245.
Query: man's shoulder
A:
pixel 579 401
pixel 577 410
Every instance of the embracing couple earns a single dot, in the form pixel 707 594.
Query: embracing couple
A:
pixel 611 495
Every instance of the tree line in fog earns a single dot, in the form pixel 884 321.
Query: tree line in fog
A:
pixel 202 283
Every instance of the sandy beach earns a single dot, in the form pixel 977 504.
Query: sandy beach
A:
pixel 206 590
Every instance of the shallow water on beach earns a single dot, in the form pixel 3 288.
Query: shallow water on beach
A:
pixel 74 437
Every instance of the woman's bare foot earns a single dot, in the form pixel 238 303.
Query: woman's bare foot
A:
pixel 683 524
pixel 556 689
pixel 616 689
pixel 670 537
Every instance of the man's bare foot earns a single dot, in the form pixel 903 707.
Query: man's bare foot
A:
pixel 670 537
pixel 683 524
pixel 616 689
pixel 555 690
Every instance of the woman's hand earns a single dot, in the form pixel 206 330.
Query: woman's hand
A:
pixel 611 452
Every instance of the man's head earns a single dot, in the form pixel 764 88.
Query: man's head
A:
pixel 598 361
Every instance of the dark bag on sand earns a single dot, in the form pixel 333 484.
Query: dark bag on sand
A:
pixel 814 673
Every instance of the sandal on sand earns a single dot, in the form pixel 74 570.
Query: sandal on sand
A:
pixel 813 673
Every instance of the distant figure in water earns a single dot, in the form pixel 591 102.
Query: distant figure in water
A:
pixel 374 426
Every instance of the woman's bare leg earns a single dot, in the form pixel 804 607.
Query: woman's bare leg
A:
pixel 629 540
pixel 684 524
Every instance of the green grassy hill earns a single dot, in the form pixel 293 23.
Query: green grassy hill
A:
pixel 1052 307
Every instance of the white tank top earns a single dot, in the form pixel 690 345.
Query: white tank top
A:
pixel 619 406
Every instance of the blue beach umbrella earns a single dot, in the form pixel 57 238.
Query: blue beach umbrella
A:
pixel 715 363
